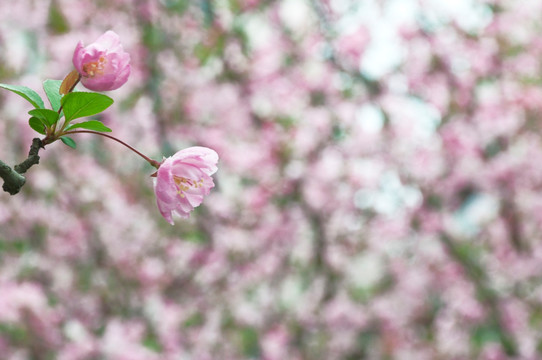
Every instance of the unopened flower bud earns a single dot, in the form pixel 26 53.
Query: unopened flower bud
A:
pixel 103 65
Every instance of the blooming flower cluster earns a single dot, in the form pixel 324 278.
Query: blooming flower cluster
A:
pixel 183 179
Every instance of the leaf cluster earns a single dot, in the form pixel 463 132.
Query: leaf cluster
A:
pixel 71 106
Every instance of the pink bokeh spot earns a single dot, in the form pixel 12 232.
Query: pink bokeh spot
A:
pixel 183 180
pixel 103 65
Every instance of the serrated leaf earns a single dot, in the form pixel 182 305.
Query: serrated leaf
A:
pixel 69 82
pixel 68 141
pixel 37 125
pixel 30 95
pixel 50 117
pixel 81 104
pixel 52 88
pixel 90 125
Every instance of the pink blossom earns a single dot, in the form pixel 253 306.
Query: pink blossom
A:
pixel 103 65
pixel 183 180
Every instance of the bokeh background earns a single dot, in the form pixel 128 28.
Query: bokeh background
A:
pixel 378 193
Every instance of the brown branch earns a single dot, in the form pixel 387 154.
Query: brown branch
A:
pixel 14 178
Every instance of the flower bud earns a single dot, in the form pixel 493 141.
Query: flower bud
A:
pixel 103 65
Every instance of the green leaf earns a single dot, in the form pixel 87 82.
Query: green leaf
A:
pixel 208 11
pixel 152 343
pixel 68 141
pixel 37 125
pixel 81 104
pixel 26 93
pixel 50 117
pixel 179 6
pixel 90 125
pixel 250 343
pixel 56 20
pixel 52 88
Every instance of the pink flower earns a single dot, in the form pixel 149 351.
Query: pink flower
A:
pixel 183 180
pixel 103 65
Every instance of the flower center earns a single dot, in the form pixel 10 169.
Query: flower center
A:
pixel 95 67
pixel 183 184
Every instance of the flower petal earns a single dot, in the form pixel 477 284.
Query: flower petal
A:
pixel 183 180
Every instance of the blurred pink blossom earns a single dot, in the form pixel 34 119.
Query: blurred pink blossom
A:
pixel 339 188
pixel 103 65
pixel 183 179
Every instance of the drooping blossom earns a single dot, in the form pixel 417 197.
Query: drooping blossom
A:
pixel 183 180
pixel 103 65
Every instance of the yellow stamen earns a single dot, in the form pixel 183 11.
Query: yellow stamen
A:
pixel 183 184
pixel 95 67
